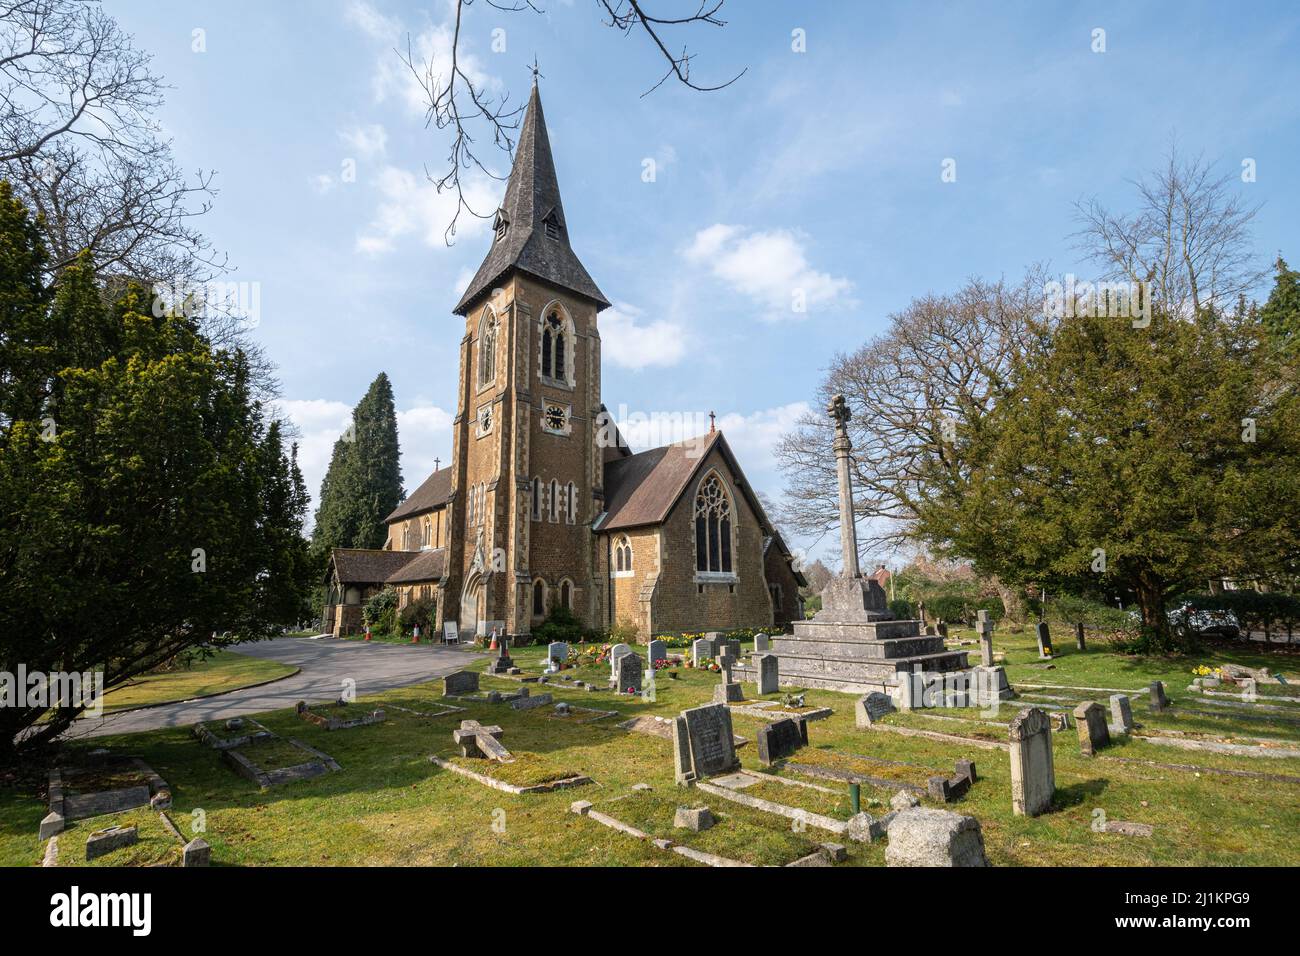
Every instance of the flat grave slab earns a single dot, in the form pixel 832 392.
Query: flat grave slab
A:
pixel 236 732
pixel 338 716
pixel 315 764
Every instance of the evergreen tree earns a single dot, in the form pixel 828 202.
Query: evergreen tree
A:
pixel 1280 315
pixel 1136 461
pixel 149 505
pixel 363 483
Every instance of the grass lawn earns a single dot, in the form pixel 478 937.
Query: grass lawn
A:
pixel 224 671
pixel 391 806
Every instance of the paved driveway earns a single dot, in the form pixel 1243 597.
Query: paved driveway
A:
pixel 325 664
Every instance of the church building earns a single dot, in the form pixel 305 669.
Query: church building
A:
pixel 543 504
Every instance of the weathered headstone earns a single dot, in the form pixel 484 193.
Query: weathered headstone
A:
pixel 475 740
pixel 1033 777
pixel 196 853
pixel 947 789
pixel 110 839
pixel 703 744
pixel 1158 699
pixel 628 672
pixel 942 629
pixel 1121 713
pixel 557 652
pixel 985 628
pixel 871 708
pixel 1079 640
pixel 1090 720
pixel 762 643
pixel 781 738
pixel 693 818
pixel 725 663
pixel 501 664
pixel 461 682
pixel 656 650
pixel 1044 637
pixel 701 650
pixel 766 668
pixel 924 837
pixel 616 652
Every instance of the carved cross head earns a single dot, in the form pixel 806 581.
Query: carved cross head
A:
pixel 838 409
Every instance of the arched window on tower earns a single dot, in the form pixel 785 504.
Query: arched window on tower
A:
pixel 537 499
pixel 557 346
pixel 487 348
pixel 555 500
pixel 712 527
pixel 571 503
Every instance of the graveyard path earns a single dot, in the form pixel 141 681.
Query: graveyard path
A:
pixel 325 663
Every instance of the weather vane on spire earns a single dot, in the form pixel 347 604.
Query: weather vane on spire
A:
pixel 536 72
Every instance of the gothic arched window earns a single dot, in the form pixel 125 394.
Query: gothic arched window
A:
pixel 571 503
pixel 557 346
pixel 487 348
pixel 712 526
pixel 537 499
pixel 622 555
pixel 555 500
pixel 539 598
pixel 566 595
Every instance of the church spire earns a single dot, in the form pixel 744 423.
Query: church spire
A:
pixel 530 233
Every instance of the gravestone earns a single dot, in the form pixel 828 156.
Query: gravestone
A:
pixel 697 819
pixel 781 738
pixel 629 670
pixel 766 667
pixel 501 664
pixel 461 682
pixel 1158 699
pixel 1079 641
pixel 703 744
pixel 110 839
pixel 1044 637
pixel 871 708
pixel 1033 778
pixel 701 650
pixel 196 853
pixel 727 690
pixel 948 789
pixel 1090 720
pixel 985 628
pixel 656 650
pixel 1121 712
pixel 924 837
pixel 942 629
pixel 616 652
pixel 762 643
pixel 557 653
pixel 475 740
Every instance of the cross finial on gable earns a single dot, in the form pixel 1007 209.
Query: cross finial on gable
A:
pixel 437 462
pixel 712 423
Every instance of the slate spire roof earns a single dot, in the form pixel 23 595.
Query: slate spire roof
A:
pixel 536 239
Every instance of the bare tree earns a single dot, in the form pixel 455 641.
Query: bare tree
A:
pixel 1188 238
pixel 455 102
pixel 80 146
pixel 914 390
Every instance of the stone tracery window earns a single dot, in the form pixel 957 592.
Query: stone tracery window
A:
pixel 713 527
pixel 622 556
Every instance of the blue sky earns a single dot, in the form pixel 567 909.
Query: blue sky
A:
pixel 817 170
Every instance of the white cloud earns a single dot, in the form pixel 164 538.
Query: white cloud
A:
pixel 754 436
pixel 322 183
pixel 769 267
pixel 371 22
pixel 367 140
pixel 410 204
pixel 631 343
pixel 424 433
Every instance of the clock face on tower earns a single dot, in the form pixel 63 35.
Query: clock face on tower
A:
pixel 555 418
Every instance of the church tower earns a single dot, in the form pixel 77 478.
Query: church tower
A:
pixel 527 469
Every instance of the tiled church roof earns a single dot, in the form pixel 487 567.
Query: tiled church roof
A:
pixel 425 566
pixel 368 566
pixel 431 494
pixel 642 488
pixel 532 195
